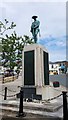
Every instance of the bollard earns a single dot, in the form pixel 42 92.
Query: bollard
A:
pixel 5 95
pixel 64 105
pixel 21 113
pixel 21 102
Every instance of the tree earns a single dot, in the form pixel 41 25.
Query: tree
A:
pixel 3 28
pixel 12 46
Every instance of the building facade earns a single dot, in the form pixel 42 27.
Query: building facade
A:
pixel 60 67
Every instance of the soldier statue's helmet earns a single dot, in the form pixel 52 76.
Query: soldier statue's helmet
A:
pixel 34 17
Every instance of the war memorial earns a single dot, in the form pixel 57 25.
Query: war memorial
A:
pixel 35 64
pixel 36 86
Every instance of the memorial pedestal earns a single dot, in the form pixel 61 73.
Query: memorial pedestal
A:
pixel 35 66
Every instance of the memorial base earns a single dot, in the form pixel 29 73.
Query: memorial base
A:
pixel 35 72
pixel 39 92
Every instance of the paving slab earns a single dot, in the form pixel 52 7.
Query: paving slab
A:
pixel 44 109
pixel 49 107
pixel 35 118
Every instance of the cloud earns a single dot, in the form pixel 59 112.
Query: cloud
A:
pixel 57 55
pixel 56 47
pixel 52 17
pixel 35 0
pixel 53 41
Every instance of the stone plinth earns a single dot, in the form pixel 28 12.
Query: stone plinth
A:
pixel 35 65
pixel 35 68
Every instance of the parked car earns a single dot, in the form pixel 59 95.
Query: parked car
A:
pixel 8 73
pixel 1 73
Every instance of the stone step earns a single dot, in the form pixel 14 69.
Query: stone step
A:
pixel 10 111
pixel 46 109
pixel 33 106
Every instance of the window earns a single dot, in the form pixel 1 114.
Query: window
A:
pixel 52 66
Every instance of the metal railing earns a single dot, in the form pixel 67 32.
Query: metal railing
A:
pixel 21 113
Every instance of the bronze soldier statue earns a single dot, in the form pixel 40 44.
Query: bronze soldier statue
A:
pixel 35 28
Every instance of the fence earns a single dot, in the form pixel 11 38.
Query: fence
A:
pixel 8 79
pixel 21 113
pixel 5 93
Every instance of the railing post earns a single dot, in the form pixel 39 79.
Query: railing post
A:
pixel 5 95
pixel 65 105
pixel 21 102
pixel 21 113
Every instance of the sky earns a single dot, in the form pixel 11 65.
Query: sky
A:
pixel 52 17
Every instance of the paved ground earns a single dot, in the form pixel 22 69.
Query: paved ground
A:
pixel 13 88
pixel 28 118
pixel 47 109
pixel 62 78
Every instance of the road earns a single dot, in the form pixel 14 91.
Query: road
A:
pixel 62 78
pixel 13 87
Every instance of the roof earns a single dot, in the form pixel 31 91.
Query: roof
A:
pixel 58 62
